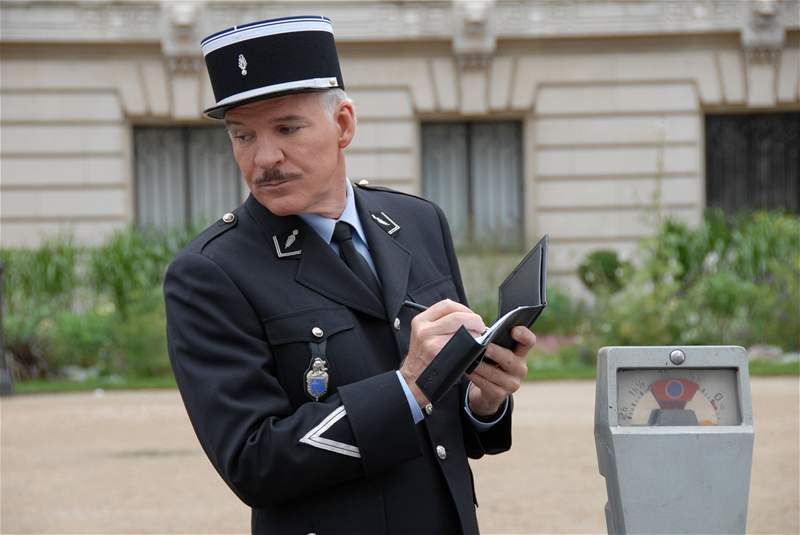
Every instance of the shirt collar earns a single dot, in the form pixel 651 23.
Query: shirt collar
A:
pixel 324 226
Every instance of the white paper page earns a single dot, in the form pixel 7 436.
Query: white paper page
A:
pixel 497 325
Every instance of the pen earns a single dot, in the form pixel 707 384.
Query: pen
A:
pixel 415 306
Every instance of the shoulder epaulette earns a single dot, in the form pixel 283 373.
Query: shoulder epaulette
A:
pixel 225 223
pixel 363 184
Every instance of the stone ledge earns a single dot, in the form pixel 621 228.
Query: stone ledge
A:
pixel 140 21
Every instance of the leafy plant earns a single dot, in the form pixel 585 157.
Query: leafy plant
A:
pixel 92 308
pixel 733 280
pixel 604 271
pixel 563 315
pixel 46 275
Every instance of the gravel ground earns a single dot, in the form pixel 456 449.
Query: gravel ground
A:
pixel 128 462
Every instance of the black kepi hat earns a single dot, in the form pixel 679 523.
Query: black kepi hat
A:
pixel 270 58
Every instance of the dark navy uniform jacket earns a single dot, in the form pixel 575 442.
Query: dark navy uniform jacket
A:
pixel 248 308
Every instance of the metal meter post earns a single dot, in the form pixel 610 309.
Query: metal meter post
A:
pixel 674 437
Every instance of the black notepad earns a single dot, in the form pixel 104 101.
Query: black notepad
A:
pixel 523 296
pixel 522 299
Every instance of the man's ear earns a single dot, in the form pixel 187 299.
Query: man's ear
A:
pixel 345 118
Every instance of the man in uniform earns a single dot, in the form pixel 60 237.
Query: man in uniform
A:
pixel 291 345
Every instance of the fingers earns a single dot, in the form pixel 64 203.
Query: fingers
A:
pixel 442 308
pixel 489 389
pixel 525 340
pixel 431 329
pixel 445 318
pixel 450 323
pixel 508 372
pixel 510 361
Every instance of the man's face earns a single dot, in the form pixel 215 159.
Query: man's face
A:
pixel 290 151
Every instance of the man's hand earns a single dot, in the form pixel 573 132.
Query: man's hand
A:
pixel 430 331
pixel 492 384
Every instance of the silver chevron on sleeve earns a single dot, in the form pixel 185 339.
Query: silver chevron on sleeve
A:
pixel 314 437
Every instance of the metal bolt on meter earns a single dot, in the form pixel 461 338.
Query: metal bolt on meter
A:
pixel 674 437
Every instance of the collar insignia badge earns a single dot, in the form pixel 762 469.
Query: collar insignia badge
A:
pixel 291 239
pixel 243 64
pixel 385 222
pixel 291 244
pixel 317 378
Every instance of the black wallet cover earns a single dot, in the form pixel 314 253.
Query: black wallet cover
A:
pixel 522 299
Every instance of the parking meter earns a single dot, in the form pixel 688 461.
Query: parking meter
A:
pixel 674 437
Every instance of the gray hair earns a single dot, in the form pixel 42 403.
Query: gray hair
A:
pixel 330 99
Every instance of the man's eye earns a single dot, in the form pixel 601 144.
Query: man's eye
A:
pixel 242 138
pixel 288 129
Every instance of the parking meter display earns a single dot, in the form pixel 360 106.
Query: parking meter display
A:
pixel 677 397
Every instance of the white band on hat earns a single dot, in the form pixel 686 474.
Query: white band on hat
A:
pixel 235 35
pixel 312 83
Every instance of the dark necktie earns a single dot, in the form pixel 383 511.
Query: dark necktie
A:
pixel 343 236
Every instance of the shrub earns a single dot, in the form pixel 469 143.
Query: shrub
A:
pixel 141 345
pixel 84 339
pixel 46 275
pixel 733 280
pixel 26 349
pixel 563 314
pixel 95 308
pixel 603 271
pixel 132 263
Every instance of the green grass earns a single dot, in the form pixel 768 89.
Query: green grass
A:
pixel 41 386
pixel 560 373
pixel 766 367
pixel 543 373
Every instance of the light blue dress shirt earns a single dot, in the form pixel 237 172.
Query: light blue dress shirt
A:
pixel 324 227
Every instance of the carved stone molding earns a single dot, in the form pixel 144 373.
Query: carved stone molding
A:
pixel 474 40
pixel 763 34
pixel 181 33
pixel 388 20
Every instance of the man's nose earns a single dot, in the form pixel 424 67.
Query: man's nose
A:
pixel 268 153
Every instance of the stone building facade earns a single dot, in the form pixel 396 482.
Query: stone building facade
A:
pixel 598 105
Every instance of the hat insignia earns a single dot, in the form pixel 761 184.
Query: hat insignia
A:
pixel 243 64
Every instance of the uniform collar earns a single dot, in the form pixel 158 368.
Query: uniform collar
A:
pixel 324 226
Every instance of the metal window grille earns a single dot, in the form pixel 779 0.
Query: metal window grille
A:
pixel 474 172
pixel 753 161
pixel 184 175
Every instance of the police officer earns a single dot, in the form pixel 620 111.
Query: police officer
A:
pixel 292 349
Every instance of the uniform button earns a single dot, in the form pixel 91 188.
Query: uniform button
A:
pixel 397 324
pixel 229 218
pixel 317 332
pixel 441 452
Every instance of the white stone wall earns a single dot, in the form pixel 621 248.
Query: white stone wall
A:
pixel 613 127
pixel 64 154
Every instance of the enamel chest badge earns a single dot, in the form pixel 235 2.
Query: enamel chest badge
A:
pixel 317 379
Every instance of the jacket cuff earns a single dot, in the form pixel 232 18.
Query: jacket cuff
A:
pixel 484 423
pixel 381 421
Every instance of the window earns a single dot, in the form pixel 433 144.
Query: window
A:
pixel 184 176
pixel 753 161
pixel 473 171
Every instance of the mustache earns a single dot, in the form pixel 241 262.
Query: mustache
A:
pixel 274 175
